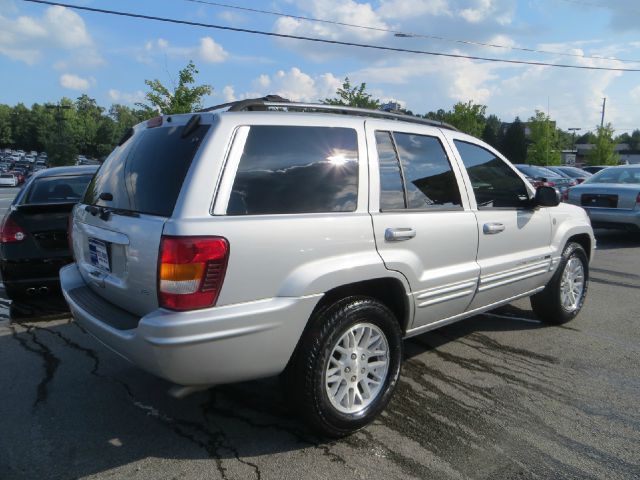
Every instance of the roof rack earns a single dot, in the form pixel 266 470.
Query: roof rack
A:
pixel 277 102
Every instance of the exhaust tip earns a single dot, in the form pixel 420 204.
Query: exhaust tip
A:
pixel 31 291
pixel 43 290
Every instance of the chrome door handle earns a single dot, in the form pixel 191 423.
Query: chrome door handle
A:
pixel 399 234
pixel 492 228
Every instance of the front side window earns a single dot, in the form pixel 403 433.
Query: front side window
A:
pixel 494 183
pixel 288 169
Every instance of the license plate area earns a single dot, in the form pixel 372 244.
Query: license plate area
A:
pixel 99 254
pixel 600 200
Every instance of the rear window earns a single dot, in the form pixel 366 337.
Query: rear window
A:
pixel 145 174
pixel 67 189
pixel 287 169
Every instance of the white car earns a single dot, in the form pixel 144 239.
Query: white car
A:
pixel 8 180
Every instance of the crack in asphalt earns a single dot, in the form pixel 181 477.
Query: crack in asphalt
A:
pixel 613 283
pixel 50 362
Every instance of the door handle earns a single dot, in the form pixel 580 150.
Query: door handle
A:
pixel 399 234
pixel 492 228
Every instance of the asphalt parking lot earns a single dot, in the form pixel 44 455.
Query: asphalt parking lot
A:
pixel 497 396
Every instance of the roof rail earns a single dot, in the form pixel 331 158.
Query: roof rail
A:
pixel 277 102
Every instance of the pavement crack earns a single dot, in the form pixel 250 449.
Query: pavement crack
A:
pixel 50 362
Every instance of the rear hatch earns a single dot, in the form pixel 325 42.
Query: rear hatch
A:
pixel 118 227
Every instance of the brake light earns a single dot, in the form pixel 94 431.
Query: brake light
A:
pixel 10 231
pixel 565 195
pixel 191 271
pixel 638 199
pixel 549 184
pixel 154 122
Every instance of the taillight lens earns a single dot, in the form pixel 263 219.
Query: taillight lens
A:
pixel 565 195
pixel 191 271
pixel 638 199
pixel 10 231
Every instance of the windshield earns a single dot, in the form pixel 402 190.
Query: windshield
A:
pixel 576 172
pixel 616 175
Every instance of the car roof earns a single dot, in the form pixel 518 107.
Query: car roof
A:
pixel 72 170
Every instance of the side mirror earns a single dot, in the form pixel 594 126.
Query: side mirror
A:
pixel 546 197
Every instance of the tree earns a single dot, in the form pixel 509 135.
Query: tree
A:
pixel 604 151
pixel 492 131
pixel 467 117
pixel 183 99
pixel 543 149
pixel 514 143
pixel 5 126
pixel 353 96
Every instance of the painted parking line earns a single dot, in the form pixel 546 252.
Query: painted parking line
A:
pixel 509 317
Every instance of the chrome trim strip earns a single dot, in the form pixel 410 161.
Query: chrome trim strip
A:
pixel 509 280
pixel 446 298
pixel 452 287
pixel 441 323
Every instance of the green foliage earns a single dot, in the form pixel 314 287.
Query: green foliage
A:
pixel 514 142
pixel 544 148
pixel 492 131
pixel 468 117
pixel 183 99
pixel 604 152
pixel 353 96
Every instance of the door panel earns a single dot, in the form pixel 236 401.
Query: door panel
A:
pixel 424 230
pixel 514 251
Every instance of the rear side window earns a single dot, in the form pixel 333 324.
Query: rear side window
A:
pixel 288 169
pixel 67 189
pixel 494 183
pixel 145 174
pixel 421 179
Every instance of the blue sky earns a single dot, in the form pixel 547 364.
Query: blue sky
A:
pixel 50 52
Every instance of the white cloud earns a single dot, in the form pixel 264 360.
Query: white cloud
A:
pixel 407 9
pixel 74 82
pixel 27 38
pixel 124 97
pixel 211 52
pixel 229 94
pixel 207 51
pixel 293 84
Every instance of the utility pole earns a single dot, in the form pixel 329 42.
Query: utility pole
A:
pixel 604 104
pixel 573 131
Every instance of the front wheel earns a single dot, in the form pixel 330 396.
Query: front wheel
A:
pixel 347 366
pixel 563 297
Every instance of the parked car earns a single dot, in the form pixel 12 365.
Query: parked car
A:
pixel 595 168
pixel 611 197
pixel 578 174
pixel 308 243
pixel 19 174
pixel 543 176
pixel 8 180
pixel 33 234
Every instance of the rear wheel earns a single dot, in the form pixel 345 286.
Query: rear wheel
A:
pixel 563 297
pixel 347 366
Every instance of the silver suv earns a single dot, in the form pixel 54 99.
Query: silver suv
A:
pixel 265 238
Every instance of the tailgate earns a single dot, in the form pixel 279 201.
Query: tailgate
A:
pixel 118 258
pixel 46 224
pixel 118 227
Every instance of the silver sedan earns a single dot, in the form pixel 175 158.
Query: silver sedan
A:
pixel 611 197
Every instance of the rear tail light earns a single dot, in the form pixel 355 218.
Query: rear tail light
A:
pixel 638 199
pixel 549 184
pixel 565 195
pixel 10 231
pixel 191 271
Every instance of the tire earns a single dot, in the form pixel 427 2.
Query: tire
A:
pixel 548 305
pixel 307 385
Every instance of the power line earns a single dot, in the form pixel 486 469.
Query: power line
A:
pixel 324 40
pixel 399 33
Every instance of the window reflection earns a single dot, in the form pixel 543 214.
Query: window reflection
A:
pixel 296 170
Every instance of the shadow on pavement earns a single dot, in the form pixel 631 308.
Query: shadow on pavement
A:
pixel 616 239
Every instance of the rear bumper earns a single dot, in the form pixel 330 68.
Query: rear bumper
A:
pixel 613 218
pixel 211 346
